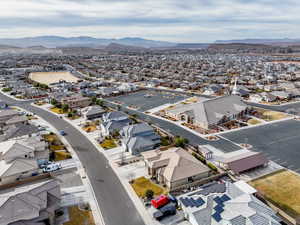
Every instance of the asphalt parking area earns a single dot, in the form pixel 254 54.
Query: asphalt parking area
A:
pixel 143 103
pixel 280 141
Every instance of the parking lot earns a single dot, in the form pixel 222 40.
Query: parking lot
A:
pixel 145 100
pixel 278 141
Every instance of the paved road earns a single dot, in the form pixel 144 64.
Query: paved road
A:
pixel 116 206
pixel 172 128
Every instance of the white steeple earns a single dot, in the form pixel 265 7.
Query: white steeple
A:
pixel 235 89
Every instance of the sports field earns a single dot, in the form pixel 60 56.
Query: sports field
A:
pixel 52 77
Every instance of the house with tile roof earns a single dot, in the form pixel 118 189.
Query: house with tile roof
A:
pixel 174 167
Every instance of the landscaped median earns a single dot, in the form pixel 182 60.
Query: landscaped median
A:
pixel 141 185
pixel 281 189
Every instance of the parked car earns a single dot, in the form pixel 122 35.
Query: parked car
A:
pixel 167 210
pixel 62 132
pixel 52 167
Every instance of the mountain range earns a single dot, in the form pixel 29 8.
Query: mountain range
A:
pixel 82 41
pixel 261 41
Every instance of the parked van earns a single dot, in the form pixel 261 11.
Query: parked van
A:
pixel 52 167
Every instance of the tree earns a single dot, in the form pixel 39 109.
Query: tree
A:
pixel 180 141
pixel 70 114
pixel 149 194
pixel 53 101
pixel 94 100
pixel 115 134
pixel 65 107
pixel 99 102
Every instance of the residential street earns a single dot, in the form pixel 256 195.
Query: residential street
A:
pixel 114 202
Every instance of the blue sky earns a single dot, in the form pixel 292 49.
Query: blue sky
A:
pixel 169 20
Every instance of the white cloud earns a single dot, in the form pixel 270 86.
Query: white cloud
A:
pixel 177 20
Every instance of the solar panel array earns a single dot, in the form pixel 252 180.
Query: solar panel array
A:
pixel 190 202
pixel 219 208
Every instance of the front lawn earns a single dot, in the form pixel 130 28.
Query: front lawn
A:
pixel 142 184
pixel 108 143
pixel 90 128
pixel 57 110
pixel 80 217
pixel 62 155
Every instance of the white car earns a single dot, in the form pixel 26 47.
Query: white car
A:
pixel 52 167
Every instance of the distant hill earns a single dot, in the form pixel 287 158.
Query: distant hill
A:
pixel 284 41
pixel 118 47
pixel 192 45
pixel 82 41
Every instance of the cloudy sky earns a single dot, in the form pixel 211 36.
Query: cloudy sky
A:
pixel 170 20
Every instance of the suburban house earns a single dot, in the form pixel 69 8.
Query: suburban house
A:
pixel 114 121
pixel 94 112
pixel 226 203
pixel 264 96
pixel 18 130
pixel 139 137
pixel 31 204
pixel 21 158
pixel 174 167
pixel 214 89
pixel 76 101
pixel 242 160
pixel 127 87
pixel 211 112
pixel 7 114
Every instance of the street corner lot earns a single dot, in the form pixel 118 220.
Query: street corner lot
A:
pixel 282 189
pixel 52 77
pixel 148 99
pixel 279 141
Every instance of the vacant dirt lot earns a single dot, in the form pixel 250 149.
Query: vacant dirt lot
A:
pixel 52 77
pixel 281 188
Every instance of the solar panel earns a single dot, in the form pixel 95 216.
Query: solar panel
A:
pixel 193 201
pixel 217 217
pixel 200 201
pixel 184 202
pixel 225 198
pixel 218 208
pixel 218 200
